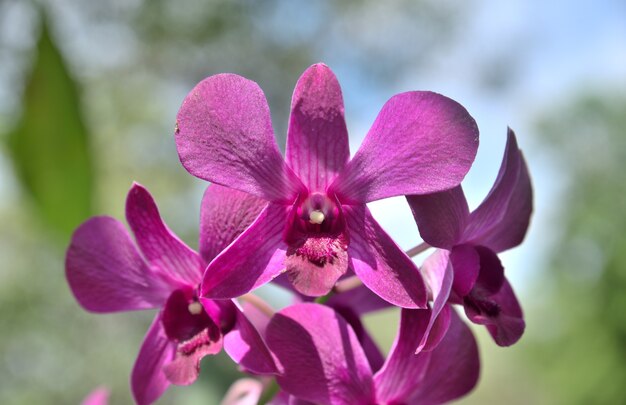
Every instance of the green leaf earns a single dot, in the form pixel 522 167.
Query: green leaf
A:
pixel 50 143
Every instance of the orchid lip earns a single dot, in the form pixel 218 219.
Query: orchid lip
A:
pixel 317 241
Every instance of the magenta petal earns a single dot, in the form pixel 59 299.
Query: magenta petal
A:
pixel 371 350
pixel 491 275
pixel 439 275
pixel 257 315
pixel 245 391
pixel 225 213
pixel 382 266
pixel 253 259
pixel 148 382
pixel 321 356
pixel 420 143
pixel 317 139
pixel 314 264
pixel 282 398
pixel 500 222
pixel 185 367
pixel 161 248
pixel 403 370
pixel 438 329
pixel 453 368
pixel 224 135
pixel 106 273
pixel 246 347
pixel 505 324
pixel 99 396
pixel 360 299
pixel 440 217
pixel 466 264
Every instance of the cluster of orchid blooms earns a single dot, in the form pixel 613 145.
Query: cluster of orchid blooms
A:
pixel 302 223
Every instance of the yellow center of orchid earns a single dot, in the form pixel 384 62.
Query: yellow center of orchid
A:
pixel 195 308
pixel 316 217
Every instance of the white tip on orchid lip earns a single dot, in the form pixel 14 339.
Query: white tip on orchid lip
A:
pixel 316 217
pixel 195 308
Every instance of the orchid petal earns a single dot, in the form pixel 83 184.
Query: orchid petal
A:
pixel 221 312
pixel 382 266
pixel 317 139
pixel 313 277
pixel 440 217
pixel 258 314
pixel 465 261
pixel 161 248
pixel 371 350
pixel 491 276
pixel 321 356
pixel 148 382
pixel 245 391
pixel 420 143
pixel 507 325
pixel 439 275
pixel 185 367
pixel 510 232
pixel 438 329
pixel 106 273
pixel 360 299
pixel 224 214
pixel 282 398
pixel 99 396
pixel 253 259
pixel 501 220
pixel 246 347
pixel 224 135
pixel 404 370
pixel 453 368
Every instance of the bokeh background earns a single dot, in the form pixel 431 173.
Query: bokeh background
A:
pixel 88 97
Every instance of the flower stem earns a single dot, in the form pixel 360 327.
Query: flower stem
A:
pixel 324 298
pixel 414 251
pixel 258 303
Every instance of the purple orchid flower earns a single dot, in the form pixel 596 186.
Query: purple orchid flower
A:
pixel 469 272
pixel 323 362
pixel 316 226
pixel 107 272
pixel 99 396
pixel 245 391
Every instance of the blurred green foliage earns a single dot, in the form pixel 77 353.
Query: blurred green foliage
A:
pixel 50 144
pixel 582 358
